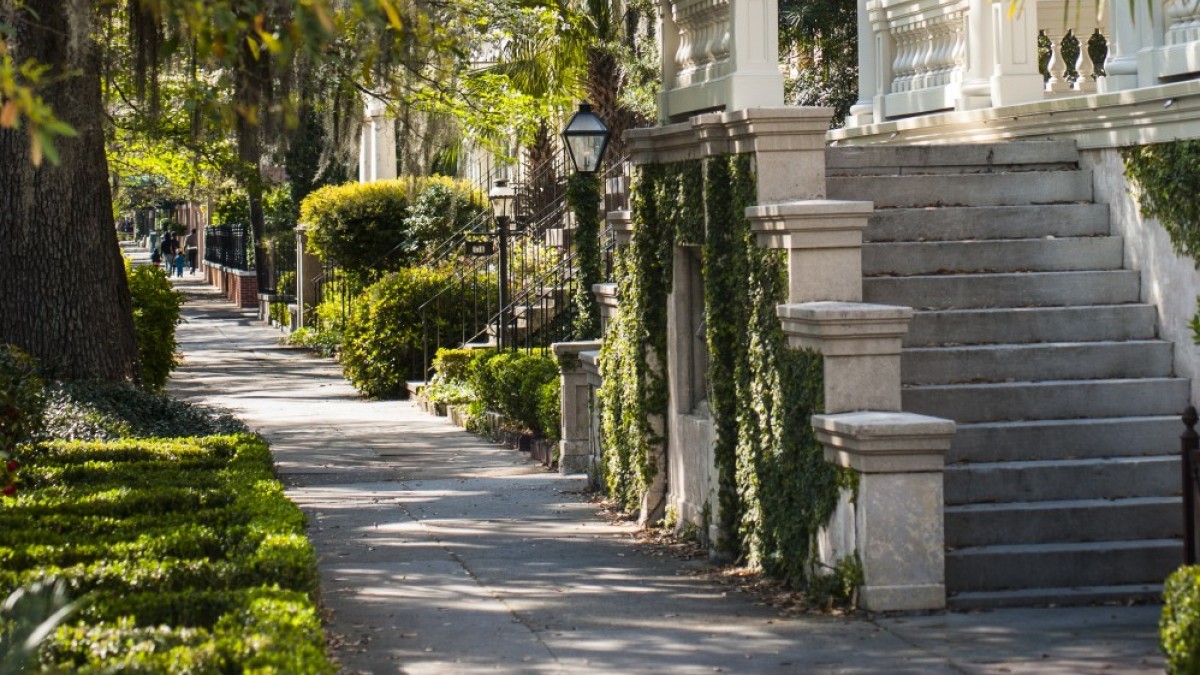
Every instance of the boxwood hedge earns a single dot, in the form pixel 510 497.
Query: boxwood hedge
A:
pixel 187 554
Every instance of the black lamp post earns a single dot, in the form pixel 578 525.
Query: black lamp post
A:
pixel 587 139
pixel 502 197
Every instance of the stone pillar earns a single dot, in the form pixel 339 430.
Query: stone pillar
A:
pixel 977 87
pixel 788 146
pixel 377 149
pixel 1015 76
pixel 824 243
pixel 575 448
pixel 606 297
pixel 308 268
pixel 622 226
pixel 1124 42
pixel 899 526
pixel 861 346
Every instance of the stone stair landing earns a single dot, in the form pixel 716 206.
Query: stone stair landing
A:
pixel 1061 486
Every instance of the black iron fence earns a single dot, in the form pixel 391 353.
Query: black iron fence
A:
pixel 230 246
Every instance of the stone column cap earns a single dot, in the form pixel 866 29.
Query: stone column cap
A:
pixel 622 225
pixel 665 144
pixel 574 348
pixel 885 442
pixel 810 223
pixel 845 328
pixel 777 129
pixel 590 360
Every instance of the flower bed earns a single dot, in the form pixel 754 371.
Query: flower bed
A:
pixel 189 554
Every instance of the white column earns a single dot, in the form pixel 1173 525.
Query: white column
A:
pixel 861 112
pixel 1124 42
pixel 977 87
pixel 1015 78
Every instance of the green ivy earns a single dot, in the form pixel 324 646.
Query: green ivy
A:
pixel 633 396
pixel 583 196
pixel 1179 627
pixel 1167 176
pixel 775 490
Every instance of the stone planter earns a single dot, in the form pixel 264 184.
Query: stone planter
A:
pixel 439 408
pixel 544 451
pixel 458 415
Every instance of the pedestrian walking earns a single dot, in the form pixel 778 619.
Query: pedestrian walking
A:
pixel 179 261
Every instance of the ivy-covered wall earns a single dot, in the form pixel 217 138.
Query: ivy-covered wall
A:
pixel 775 491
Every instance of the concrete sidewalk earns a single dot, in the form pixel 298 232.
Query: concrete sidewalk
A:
pixel 442 553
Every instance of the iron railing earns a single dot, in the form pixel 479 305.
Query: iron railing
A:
pixel 230 246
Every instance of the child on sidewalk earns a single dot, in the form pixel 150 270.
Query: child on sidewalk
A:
pixel 179 261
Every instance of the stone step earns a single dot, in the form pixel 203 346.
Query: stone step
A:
pixel 1062 479
pixel 1036 361
pixel 992 255
pixel 983 189
pixel 1056 399
pixel 1062 565
pixel 965 158
pixel 1064 521
pixel 1134 321
pixel 988 222
pixel 1022 289
pixel 1057 597
pixel 1065 439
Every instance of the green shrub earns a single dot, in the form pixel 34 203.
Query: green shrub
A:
pixel 156 312
pixel 22 401
pixel 450 393
pixel 366 227
pixel 549 412
pixel 453 365
pixel 1179 628
pixel 190 556
pixel 383 339
pixel 280 313
pixel 511 383
pixel 95 411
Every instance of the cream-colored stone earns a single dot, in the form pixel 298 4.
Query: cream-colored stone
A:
pixel 862 382
pixel 901 541
pixel 845 328
pixel 877 441
pixel 606 297
pixel 622 226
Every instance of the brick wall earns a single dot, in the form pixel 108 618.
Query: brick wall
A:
pixel 238 286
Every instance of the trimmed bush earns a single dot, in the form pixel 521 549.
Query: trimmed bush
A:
pixel 189 554
pixel 1179 628
pixel 511 383
pixel 366 227
pixel 454 365
pixel 156 312
pixel 382 345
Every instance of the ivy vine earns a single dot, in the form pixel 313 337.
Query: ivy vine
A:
pixel 1167 176
pixel 775 490
pixel 583 197
pixel 633 396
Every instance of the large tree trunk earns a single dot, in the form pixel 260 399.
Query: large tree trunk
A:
pixel 63 294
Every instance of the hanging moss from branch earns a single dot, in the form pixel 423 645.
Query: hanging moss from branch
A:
pixel 1168 178
pixel 583 196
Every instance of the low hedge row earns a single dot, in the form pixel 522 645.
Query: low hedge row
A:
pixel 188 555
pixel 1179 629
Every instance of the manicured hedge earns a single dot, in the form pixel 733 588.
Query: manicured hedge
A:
pixel 156 312
pixel 1179 629
pixel 383 339
pixel 188 555
pixel 386 225
pixel 514 385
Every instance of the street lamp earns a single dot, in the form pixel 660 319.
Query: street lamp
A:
pixel 587 139
pixel 502 197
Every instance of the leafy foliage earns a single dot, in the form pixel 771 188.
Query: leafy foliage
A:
pixel 1179 628
pixel 1167 175
pixel 156 313
pixel 101 411
pixel 366 227
pixel 822 39
pixel 513 384
pixel 633 396
pixel 583 197
pixel 384 333
pixel 22 400
pixel 188 550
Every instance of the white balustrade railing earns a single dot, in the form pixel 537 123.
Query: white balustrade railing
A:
pixel 703 52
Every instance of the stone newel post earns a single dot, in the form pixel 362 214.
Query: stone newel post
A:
pixel 575 448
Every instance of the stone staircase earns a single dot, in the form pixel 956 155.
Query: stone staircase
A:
pixel 1062 485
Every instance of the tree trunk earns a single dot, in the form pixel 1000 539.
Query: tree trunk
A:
pixel 63 294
